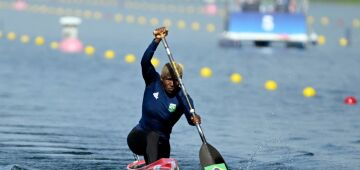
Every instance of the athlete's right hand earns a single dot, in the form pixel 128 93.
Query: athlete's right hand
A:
pixel 160 33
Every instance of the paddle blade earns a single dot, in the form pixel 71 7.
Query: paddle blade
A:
pixel 211 158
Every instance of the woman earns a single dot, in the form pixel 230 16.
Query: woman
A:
pixel 163 105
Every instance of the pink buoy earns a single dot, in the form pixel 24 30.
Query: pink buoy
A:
pixel 71 45
pixel 20 5
pixel 211 9
pixel 350 100
pixel 70 42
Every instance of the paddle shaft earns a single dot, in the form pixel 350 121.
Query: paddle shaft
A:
pixel 172 63
pixel 208 154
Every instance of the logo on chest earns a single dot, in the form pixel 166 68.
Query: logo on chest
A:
pixel 172 107
pixel 156 95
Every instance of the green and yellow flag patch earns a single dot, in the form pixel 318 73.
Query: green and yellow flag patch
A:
pixel 172 107
pixel 216 167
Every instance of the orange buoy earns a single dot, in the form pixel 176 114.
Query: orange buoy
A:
pixel 350 100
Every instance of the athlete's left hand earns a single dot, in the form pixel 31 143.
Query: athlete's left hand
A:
pixel 196 119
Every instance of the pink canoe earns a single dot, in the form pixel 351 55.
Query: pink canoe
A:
pixel 161 164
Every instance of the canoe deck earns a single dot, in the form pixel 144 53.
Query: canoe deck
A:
pixel 161 164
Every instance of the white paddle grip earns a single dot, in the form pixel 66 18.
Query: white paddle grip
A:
pixel 168 51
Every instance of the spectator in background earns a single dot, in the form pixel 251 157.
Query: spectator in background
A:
pixel 292 6
pixel 281 5
pixel 288 6
pixel 249 5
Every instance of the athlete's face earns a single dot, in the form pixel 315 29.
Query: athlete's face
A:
pixel 170 84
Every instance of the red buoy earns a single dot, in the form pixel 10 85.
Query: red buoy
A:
pixel 350 100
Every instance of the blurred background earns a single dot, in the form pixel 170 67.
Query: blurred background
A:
pixel 275 81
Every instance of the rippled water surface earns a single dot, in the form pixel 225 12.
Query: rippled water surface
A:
pixel 61 111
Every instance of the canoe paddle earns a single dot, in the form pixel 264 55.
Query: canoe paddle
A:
pixel 210 158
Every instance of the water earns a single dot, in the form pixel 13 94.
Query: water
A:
pixel 63 111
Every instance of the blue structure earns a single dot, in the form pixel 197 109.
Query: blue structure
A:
pixel 264 27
